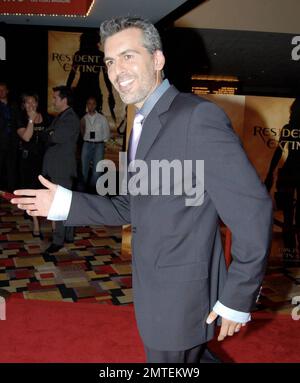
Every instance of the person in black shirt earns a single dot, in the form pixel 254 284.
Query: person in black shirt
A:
pixel 32 146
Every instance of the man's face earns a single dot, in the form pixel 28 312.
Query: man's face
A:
pixel 58 102
pixel 3 92
pixel 133 71
pixel 91 105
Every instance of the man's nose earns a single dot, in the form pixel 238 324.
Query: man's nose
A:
pixel 119 67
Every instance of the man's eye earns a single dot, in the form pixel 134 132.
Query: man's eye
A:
pixel 108 63
pixel 128 57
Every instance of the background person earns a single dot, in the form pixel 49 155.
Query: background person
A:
pixel 59 163
pixel 95 131
pixel 32 146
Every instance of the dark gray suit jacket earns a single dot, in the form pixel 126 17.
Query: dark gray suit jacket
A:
pixel 60 158
pixel 178 263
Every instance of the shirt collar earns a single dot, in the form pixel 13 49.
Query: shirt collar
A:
pixel 153 98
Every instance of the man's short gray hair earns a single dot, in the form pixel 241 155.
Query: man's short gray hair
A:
pixel 152 40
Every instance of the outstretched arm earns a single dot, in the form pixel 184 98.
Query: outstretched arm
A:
pixel 77 209
pixel 87 209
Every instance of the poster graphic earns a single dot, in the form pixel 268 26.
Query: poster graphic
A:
pixel 76 60
pixel 270 133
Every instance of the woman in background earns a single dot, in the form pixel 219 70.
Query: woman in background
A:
pixel 32 146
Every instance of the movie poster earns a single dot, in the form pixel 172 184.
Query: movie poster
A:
pixel 76 60
pixel 269 130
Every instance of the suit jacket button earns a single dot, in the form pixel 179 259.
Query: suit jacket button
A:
pixel 133 229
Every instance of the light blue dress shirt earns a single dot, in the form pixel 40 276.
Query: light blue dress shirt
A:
pixel 61 204
pixel 153 98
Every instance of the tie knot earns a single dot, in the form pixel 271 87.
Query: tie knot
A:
pixel 138 118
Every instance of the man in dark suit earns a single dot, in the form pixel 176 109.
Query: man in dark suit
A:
pixel 59 164
pixel 180 282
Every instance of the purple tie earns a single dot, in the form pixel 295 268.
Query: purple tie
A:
pixel 135 135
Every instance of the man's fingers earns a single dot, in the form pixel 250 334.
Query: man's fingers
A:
pixel 32 192
pixel 231 329
pixel 28 192
pixel 223 332
pixel 45 182
pixel 212 317
pixel 27 207
pixel 33 213
pixel 228 328
pixel 23 201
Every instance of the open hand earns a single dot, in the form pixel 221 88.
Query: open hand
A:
pixel 37 202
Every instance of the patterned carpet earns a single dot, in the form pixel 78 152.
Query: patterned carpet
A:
pixel 94 270
pixel 90 270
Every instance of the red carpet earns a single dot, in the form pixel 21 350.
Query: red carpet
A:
pixel 42 331
pixel 46 331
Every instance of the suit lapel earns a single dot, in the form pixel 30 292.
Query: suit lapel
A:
pixel 153 122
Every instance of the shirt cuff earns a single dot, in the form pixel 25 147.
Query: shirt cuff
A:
pixel 60 207
pixel 234 315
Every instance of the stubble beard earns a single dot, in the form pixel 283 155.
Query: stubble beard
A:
pixel 140 95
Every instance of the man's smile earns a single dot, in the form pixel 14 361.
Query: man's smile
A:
pixel 125 85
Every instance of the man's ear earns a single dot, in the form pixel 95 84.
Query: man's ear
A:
pixel 159 60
